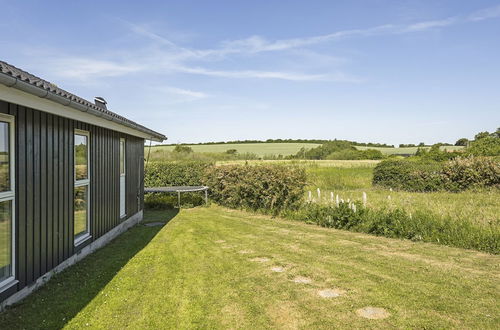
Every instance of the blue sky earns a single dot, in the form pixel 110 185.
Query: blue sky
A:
pixel 382 71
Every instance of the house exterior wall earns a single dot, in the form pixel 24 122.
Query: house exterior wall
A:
pixel 44 170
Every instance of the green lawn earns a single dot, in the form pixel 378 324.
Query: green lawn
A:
pixel 212 268
pixel 260 149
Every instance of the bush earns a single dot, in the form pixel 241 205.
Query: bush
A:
pixel 485 146
pixel 421 226
pixel 264 187
pixel 471 172
pixel 436 154
pixel 454 175
pixel 162 174
pixel 168 201
pixel 354 154
pixel 188 173
pixel 183 149
pixel 411 175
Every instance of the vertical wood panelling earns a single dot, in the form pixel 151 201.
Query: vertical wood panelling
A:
pixel 20 193
pixel 36 196
pixel 44 206
pixel 29 196
pixel 60 190
pixel 42 193
pixel 49 189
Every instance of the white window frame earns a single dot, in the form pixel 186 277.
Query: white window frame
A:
pixel 81 183
pixel 124 175
pixel 11 196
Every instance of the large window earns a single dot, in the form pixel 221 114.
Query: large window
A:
pixel 82 184
pixel 7 198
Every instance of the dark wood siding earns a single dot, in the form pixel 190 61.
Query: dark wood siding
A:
pixel 134 162
pixel 45 184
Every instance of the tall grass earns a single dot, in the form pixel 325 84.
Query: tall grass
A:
pixel 422 225
pixel 479 206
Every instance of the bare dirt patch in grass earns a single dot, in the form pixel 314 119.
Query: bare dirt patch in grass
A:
pixel 302 280
pixel 245 251
pixel 260 259
pixel 331 293
pixel 220 241
pixel 277 269
pixel 373 313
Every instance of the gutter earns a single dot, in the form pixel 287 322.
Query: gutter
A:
pixel 13 82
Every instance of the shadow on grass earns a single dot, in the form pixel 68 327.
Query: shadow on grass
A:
pixel 68 292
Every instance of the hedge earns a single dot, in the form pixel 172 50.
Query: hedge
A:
pixel 186 173
pixel 409 175
pixel 262 187
pixel 453 175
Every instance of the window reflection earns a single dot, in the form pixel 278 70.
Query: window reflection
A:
pixel 81 157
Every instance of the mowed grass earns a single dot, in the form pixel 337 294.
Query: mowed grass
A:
pixel 259 149
pixel 406 150
pixel 350 183
pixel 212 268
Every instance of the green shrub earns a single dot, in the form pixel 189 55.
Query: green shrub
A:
pixel 411 175
pixel 454 175
pixel 159 201
pixel 354 154
pixel 164 174
pixel 397 223
pixel 485 146
pixel 188 173
pixel 262 187
pixel 436 154
pixel 183 149
pixel 471 172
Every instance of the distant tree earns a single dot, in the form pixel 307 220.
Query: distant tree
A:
pixel 486 146
pixel 462 142
pixel 421 144
pixel 183 149
pixel 497 133
pixel 481 135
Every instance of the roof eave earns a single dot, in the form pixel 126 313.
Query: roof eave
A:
pixel 26 87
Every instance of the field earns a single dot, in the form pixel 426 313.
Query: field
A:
pixel 275 149
pixel 216 268
pixel 350 183
pixel 259 149
pixel 349 179
pixel 406 151
pixel 306 163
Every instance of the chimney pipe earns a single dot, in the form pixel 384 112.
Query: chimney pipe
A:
pixel 100 102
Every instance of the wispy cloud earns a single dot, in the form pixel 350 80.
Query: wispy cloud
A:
pixel 87 68
pixel 423 26
pixel 190 94
pixel 167 57
pixel 483 14
pixel 257 44
pixel 267 75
